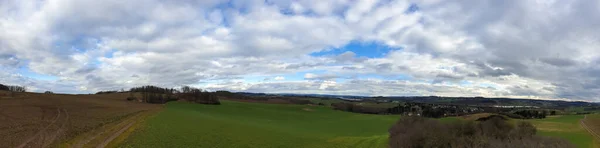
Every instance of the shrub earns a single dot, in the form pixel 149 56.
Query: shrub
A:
pixel 411 132
pixel 131 98
pixel 48 92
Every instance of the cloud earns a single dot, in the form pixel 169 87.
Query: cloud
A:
pixel 525 49
pixel 311 76
pixel 279 78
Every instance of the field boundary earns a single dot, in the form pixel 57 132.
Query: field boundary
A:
pixel 111 134
pixel 594 134
pixel 115 135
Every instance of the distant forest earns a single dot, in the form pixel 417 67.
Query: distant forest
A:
pixel 13 88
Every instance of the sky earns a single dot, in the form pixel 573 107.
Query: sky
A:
pixel 537 49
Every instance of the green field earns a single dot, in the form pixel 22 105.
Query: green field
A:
pixel 324 101
pixel 567 127
pixel 237 124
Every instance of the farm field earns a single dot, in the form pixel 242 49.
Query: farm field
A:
pixel 567 127
pixel 592 122
pixel 235 124
pixel 53 120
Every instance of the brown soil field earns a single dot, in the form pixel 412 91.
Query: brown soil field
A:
pixel 56 120
pixel 592 123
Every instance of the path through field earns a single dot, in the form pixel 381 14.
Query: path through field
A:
pixel 103 136
pixel 46 136
pixel 583 124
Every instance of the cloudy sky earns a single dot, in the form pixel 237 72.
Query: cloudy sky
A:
pixel 527 49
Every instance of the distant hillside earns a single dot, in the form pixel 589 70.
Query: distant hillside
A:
pixel 475 101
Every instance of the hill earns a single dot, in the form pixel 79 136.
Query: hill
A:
pixel 235 124
pixel 470 101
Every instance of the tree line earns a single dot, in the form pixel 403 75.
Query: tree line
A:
pixel 13 88
pixel 160 95
pixel 441 110
pixel 530 114
pixel 198 95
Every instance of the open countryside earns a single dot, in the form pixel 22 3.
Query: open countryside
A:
pixel 299 74
pixel 114 119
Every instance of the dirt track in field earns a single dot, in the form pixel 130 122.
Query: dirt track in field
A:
pixel 50 120
pixel 586 127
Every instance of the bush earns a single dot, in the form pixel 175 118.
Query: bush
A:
pixel 131 98
pixel 419 132
pixel 48 92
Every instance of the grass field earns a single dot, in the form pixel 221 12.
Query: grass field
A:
pixel 567 127
pixel 238 124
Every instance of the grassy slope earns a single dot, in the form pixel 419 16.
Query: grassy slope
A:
pixel 566 127
pixel 236 124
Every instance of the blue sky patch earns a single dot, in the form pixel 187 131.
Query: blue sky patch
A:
pixel 361 49
pixel 412 9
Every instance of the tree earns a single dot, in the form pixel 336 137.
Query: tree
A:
pixel 4 87
pixel 17 88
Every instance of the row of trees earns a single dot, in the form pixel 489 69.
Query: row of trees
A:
pixel 529 114
pixel 107 92
pixel 153 94
pixel 417 109
pixel 197 95
pixel 159 95
pixel 13 88
pixel 351 107
pixel 493 133
pixel 442 110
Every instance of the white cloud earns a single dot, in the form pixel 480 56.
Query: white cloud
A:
pixel 279 78
pixel 473 48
